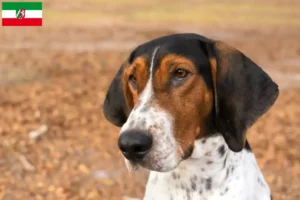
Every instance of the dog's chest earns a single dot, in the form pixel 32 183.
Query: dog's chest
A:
pixel 210 176
pixel 192 187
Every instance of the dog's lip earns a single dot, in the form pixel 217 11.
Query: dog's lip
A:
pixel 158 167
pixel 140 156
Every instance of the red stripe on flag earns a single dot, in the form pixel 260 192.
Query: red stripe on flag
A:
pixel 22 22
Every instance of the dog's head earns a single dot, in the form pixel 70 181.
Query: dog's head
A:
pixel 179 88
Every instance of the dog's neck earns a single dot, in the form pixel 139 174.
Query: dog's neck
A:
pixel 211 158
pixel 213 170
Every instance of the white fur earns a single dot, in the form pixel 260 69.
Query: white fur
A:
pixel 238 179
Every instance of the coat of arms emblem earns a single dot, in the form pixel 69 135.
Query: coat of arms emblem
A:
pixel 21 13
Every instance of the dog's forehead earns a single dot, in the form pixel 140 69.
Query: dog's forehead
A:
pixel 186 45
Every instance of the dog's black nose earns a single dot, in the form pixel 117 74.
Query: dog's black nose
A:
pixel 135 144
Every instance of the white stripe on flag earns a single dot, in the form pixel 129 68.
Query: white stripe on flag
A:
pixel 28 14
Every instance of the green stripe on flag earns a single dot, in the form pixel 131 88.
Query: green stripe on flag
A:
pixel 24 5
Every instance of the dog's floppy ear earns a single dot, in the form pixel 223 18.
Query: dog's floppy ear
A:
pixel 115 108
pixel 242 92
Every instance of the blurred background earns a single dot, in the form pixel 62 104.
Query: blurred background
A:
pixel 54 140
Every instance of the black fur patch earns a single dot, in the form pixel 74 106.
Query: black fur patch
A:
pixel 209 162
pixel 227 173
pixel 175 175
pixel 244 93
pixel 200 191
pixel 208 184
pixel 193 183
pixel 224 164
pixel 221 150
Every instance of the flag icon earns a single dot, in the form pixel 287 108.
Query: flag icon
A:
pixel 22 14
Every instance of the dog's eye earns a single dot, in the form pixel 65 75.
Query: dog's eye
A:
pixel 181 74
pixel 132 80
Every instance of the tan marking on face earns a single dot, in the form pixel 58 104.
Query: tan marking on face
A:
pixel 139 70
pixel 189 103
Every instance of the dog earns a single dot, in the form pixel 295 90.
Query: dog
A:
pixel 184 103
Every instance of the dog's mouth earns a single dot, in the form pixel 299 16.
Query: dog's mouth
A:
pixel 134 166
pixel 156 163
pixel 160 161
